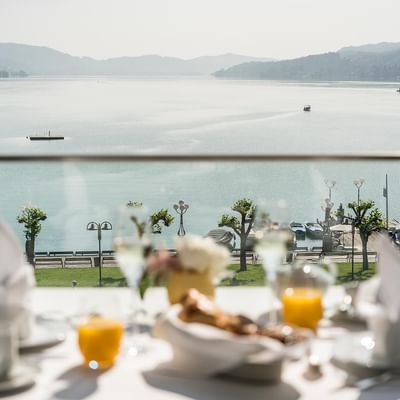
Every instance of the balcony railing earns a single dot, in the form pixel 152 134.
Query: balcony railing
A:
pixel 74 189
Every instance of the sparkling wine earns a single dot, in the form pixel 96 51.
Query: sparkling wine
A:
pixel 130 258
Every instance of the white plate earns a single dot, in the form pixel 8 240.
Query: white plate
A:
pixel 42 337
pixel 206 350
pixel 257 368
pixel 353 352
pixel 22 377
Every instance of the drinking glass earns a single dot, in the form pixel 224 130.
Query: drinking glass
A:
pixel 8 340
pixel 302 287
pixel 100 330
pixel 131 245
pixel 273 238
pixel 99 341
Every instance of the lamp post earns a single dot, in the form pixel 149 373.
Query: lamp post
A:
pixel 327 235
pixel 330 183
pixel 386 196
pixel 99 226
pixel 327 208
pixel 358 184
pixel 353 231
pixel 181 209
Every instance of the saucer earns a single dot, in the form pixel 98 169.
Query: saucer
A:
pixel 42 337
pixel 21 377
pixel 353 352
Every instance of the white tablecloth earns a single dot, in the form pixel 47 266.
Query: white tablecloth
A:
pixel 61 375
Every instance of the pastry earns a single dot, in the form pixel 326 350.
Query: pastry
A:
pixel 200 309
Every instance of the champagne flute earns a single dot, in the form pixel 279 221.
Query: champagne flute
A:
pixel 272 239
pixel 131 245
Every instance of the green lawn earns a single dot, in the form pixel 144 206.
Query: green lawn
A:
pixel 85 277
pixel 112 276
pixel 254 276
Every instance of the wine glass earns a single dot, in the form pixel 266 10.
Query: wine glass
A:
pixel 273 238
pixel 131 246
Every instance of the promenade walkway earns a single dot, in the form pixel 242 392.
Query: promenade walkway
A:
pixel 90 259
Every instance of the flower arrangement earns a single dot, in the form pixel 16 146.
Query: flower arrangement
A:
pixel 193 254
pixel 197 260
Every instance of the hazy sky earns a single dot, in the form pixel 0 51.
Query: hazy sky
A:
pixel 189 28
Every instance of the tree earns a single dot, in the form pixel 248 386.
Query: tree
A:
pixel 157 220
pixel 31 217
pixel 241 226
pixel 368 219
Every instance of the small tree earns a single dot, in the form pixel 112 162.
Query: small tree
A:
pixel 158 219
pixel 368 219
pixel 31 217
pixel 241 226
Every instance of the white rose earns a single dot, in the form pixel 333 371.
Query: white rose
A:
pixel 199 254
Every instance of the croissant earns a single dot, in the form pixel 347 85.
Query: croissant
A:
pixel 200 309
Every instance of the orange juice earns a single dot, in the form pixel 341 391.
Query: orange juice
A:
pixel 99 341
pixel 302 307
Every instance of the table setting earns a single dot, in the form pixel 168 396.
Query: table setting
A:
pixel 299 337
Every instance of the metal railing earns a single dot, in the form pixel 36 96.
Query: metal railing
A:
pixel 373 156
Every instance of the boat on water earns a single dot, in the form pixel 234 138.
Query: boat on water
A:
pixel 398 90
pixel 47 136
pixel 223 237
pixel 307 108
pixel 314 230
pixel 298 229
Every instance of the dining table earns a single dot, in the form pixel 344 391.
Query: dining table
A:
pixel 60 373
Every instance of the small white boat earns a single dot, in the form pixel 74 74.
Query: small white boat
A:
pixel 314 230
pixel 298 229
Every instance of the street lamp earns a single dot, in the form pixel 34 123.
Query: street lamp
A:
pixel 358 183
pixel 181 209
pixel 353 232
pixel 327 234
pixel 386 196
pixel 327 206
pixel 99 226
pixel 330 183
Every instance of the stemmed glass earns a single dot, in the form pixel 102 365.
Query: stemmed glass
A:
pixel 272 240
pixel 131 245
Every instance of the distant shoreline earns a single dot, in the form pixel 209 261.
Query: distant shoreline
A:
pixel 295 82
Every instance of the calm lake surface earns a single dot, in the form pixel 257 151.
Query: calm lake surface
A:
pixel 101 115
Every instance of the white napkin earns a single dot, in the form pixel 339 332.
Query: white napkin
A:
pixel 16 279
pixel 202 350
pixel 378 301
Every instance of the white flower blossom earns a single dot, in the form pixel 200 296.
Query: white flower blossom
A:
pixel 200 254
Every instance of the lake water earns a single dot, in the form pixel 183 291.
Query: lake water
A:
pixel 146 116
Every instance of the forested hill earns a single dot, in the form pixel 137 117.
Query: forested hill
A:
pixel 380 62
pixel 37 60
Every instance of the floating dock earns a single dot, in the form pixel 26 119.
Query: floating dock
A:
pixel 46 137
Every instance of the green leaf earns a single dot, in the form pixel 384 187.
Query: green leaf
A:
pixel 145 282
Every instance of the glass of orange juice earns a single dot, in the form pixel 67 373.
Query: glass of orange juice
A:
pixel 302 306
pixel 99 341
pixel 302 287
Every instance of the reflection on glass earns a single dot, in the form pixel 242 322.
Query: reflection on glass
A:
pixel 272 235
pixel 131 243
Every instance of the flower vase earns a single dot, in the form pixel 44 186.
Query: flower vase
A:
pixel 179 282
